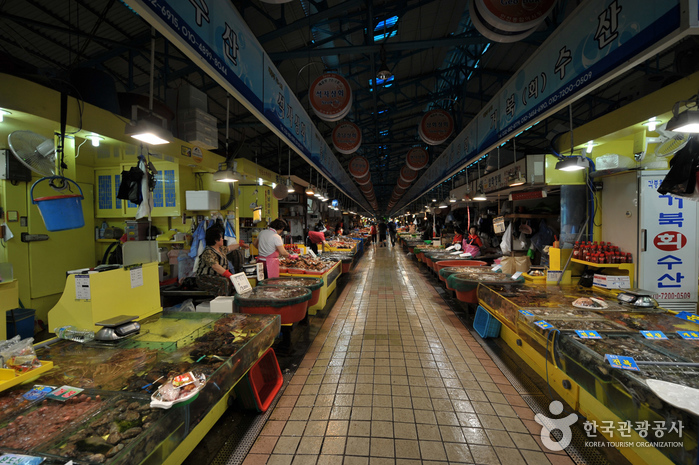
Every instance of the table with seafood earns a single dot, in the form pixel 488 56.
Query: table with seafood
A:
pixel 634 359
pixel 135 398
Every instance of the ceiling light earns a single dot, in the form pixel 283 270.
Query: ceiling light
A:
pixel 148 133
pixel 452 198
pixel 687 121
pixel 95 139
pixel 574 163
pixel 434 199
pixel 309 190
pixel 516 180
pixel 652 123
pixel 480 196
pixel 444 204
pixel 290 185
pixel 259 181
pixel 3 113
pixel 228 175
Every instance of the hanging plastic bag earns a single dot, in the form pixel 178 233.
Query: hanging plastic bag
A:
pixel 681 180
pixel 506 243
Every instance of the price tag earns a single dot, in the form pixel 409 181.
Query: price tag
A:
pixel 517 275
pixel 82 287
pixel 465 255
pixel 654 335
pixel 688 316
pixel 543 325
pixel 136 276
pixel 623 363
pixel 451 247
pixel 689 335
pixel 582 334
pixel 38 392
pixel 64 393
pixel 241 283
pixel 311 253
pixel 526 313
pixel 260 271
pixel 496 268
pixel 553 275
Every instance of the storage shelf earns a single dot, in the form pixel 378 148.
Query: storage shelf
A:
pixel 628 267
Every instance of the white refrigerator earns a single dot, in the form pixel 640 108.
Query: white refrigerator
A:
pixel 659 230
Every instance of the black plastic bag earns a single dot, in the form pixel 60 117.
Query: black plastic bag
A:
pixel 681 180
pixel 130 187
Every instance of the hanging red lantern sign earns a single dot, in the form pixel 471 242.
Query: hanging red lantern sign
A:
pixel 402 183
pixel 436 126
pixel 347 137
pixel 366 188
pixel 514 16
pixel 331 97
pixel 417 158
pixel 359 167
pixel 407 175
pixel 364 179
pixel 399 190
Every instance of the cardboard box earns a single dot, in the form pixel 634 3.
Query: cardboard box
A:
pixel 203 200
pixel 222 304
pixel 611 282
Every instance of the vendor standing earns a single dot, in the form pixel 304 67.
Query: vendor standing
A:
pixel 317 236
pixel 473 238
pixel 212 274
pixel 270 246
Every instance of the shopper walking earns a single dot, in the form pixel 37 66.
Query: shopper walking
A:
pixel 372 233
pixel 392 232
pixel 382 233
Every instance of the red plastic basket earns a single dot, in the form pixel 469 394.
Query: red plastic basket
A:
pixel 261 384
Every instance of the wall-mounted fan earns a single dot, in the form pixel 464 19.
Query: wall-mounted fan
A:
pixel 669 143
pixel 34 151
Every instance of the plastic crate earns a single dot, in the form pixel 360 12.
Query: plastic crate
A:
pixel 261 384
pixel 485 324
pixel 20 321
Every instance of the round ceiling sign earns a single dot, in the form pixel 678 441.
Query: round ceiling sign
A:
pixel 407 175
pixel 436 126
pixel 359 167
pixel 514 16
pixel 331 97
pixel 417 158
pixel 347 137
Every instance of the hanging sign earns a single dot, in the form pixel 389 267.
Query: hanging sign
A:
pixel 514 16
pixel 364 180
pixel 358 167
pixel 408 175
pixel 436 126
pixel 347 137
pixel 331 97
pixel 417 158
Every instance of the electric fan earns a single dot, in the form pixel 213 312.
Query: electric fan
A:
pixel 669 142
pixel 34 151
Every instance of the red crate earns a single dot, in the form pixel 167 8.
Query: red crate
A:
pixel 261 384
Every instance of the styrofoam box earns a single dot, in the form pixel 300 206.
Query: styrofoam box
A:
pixel 187 97
pixel 204 307
pixel 203 200
pixel 197 126
pixel 201 140
pixel 222 304
pixel 198 115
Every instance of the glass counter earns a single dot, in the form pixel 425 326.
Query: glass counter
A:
pixel 122 428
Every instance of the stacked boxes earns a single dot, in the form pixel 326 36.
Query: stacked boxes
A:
pixel 194 124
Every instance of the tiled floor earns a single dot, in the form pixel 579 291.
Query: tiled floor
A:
pixel 394 377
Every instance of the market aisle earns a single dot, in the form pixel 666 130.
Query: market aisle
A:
pixel 394 377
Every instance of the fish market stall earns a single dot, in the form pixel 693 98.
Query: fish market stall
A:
pixel 104 410
pixel 323 267
pixel 615 358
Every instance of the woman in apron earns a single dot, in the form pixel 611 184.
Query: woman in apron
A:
pixel 270 246
pixel 212 274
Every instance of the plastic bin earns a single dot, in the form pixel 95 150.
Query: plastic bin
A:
pixel 485 324
pixel 260 385
pixel 22 324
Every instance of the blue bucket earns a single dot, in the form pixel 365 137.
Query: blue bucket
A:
pixel 60 212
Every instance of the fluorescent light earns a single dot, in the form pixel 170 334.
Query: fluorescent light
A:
pixel 574 163
pixel 590 144
pixel 3 113
pixel 687 121
pixel 148 133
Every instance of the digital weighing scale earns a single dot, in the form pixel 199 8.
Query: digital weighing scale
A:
pixel 637 298
pixel 117 328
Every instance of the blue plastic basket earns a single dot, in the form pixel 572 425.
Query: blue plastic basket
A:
pixel 485 324
pixel 60 212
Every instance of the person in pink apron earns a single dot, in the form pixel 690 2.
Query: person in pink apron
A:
pixel 270 246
